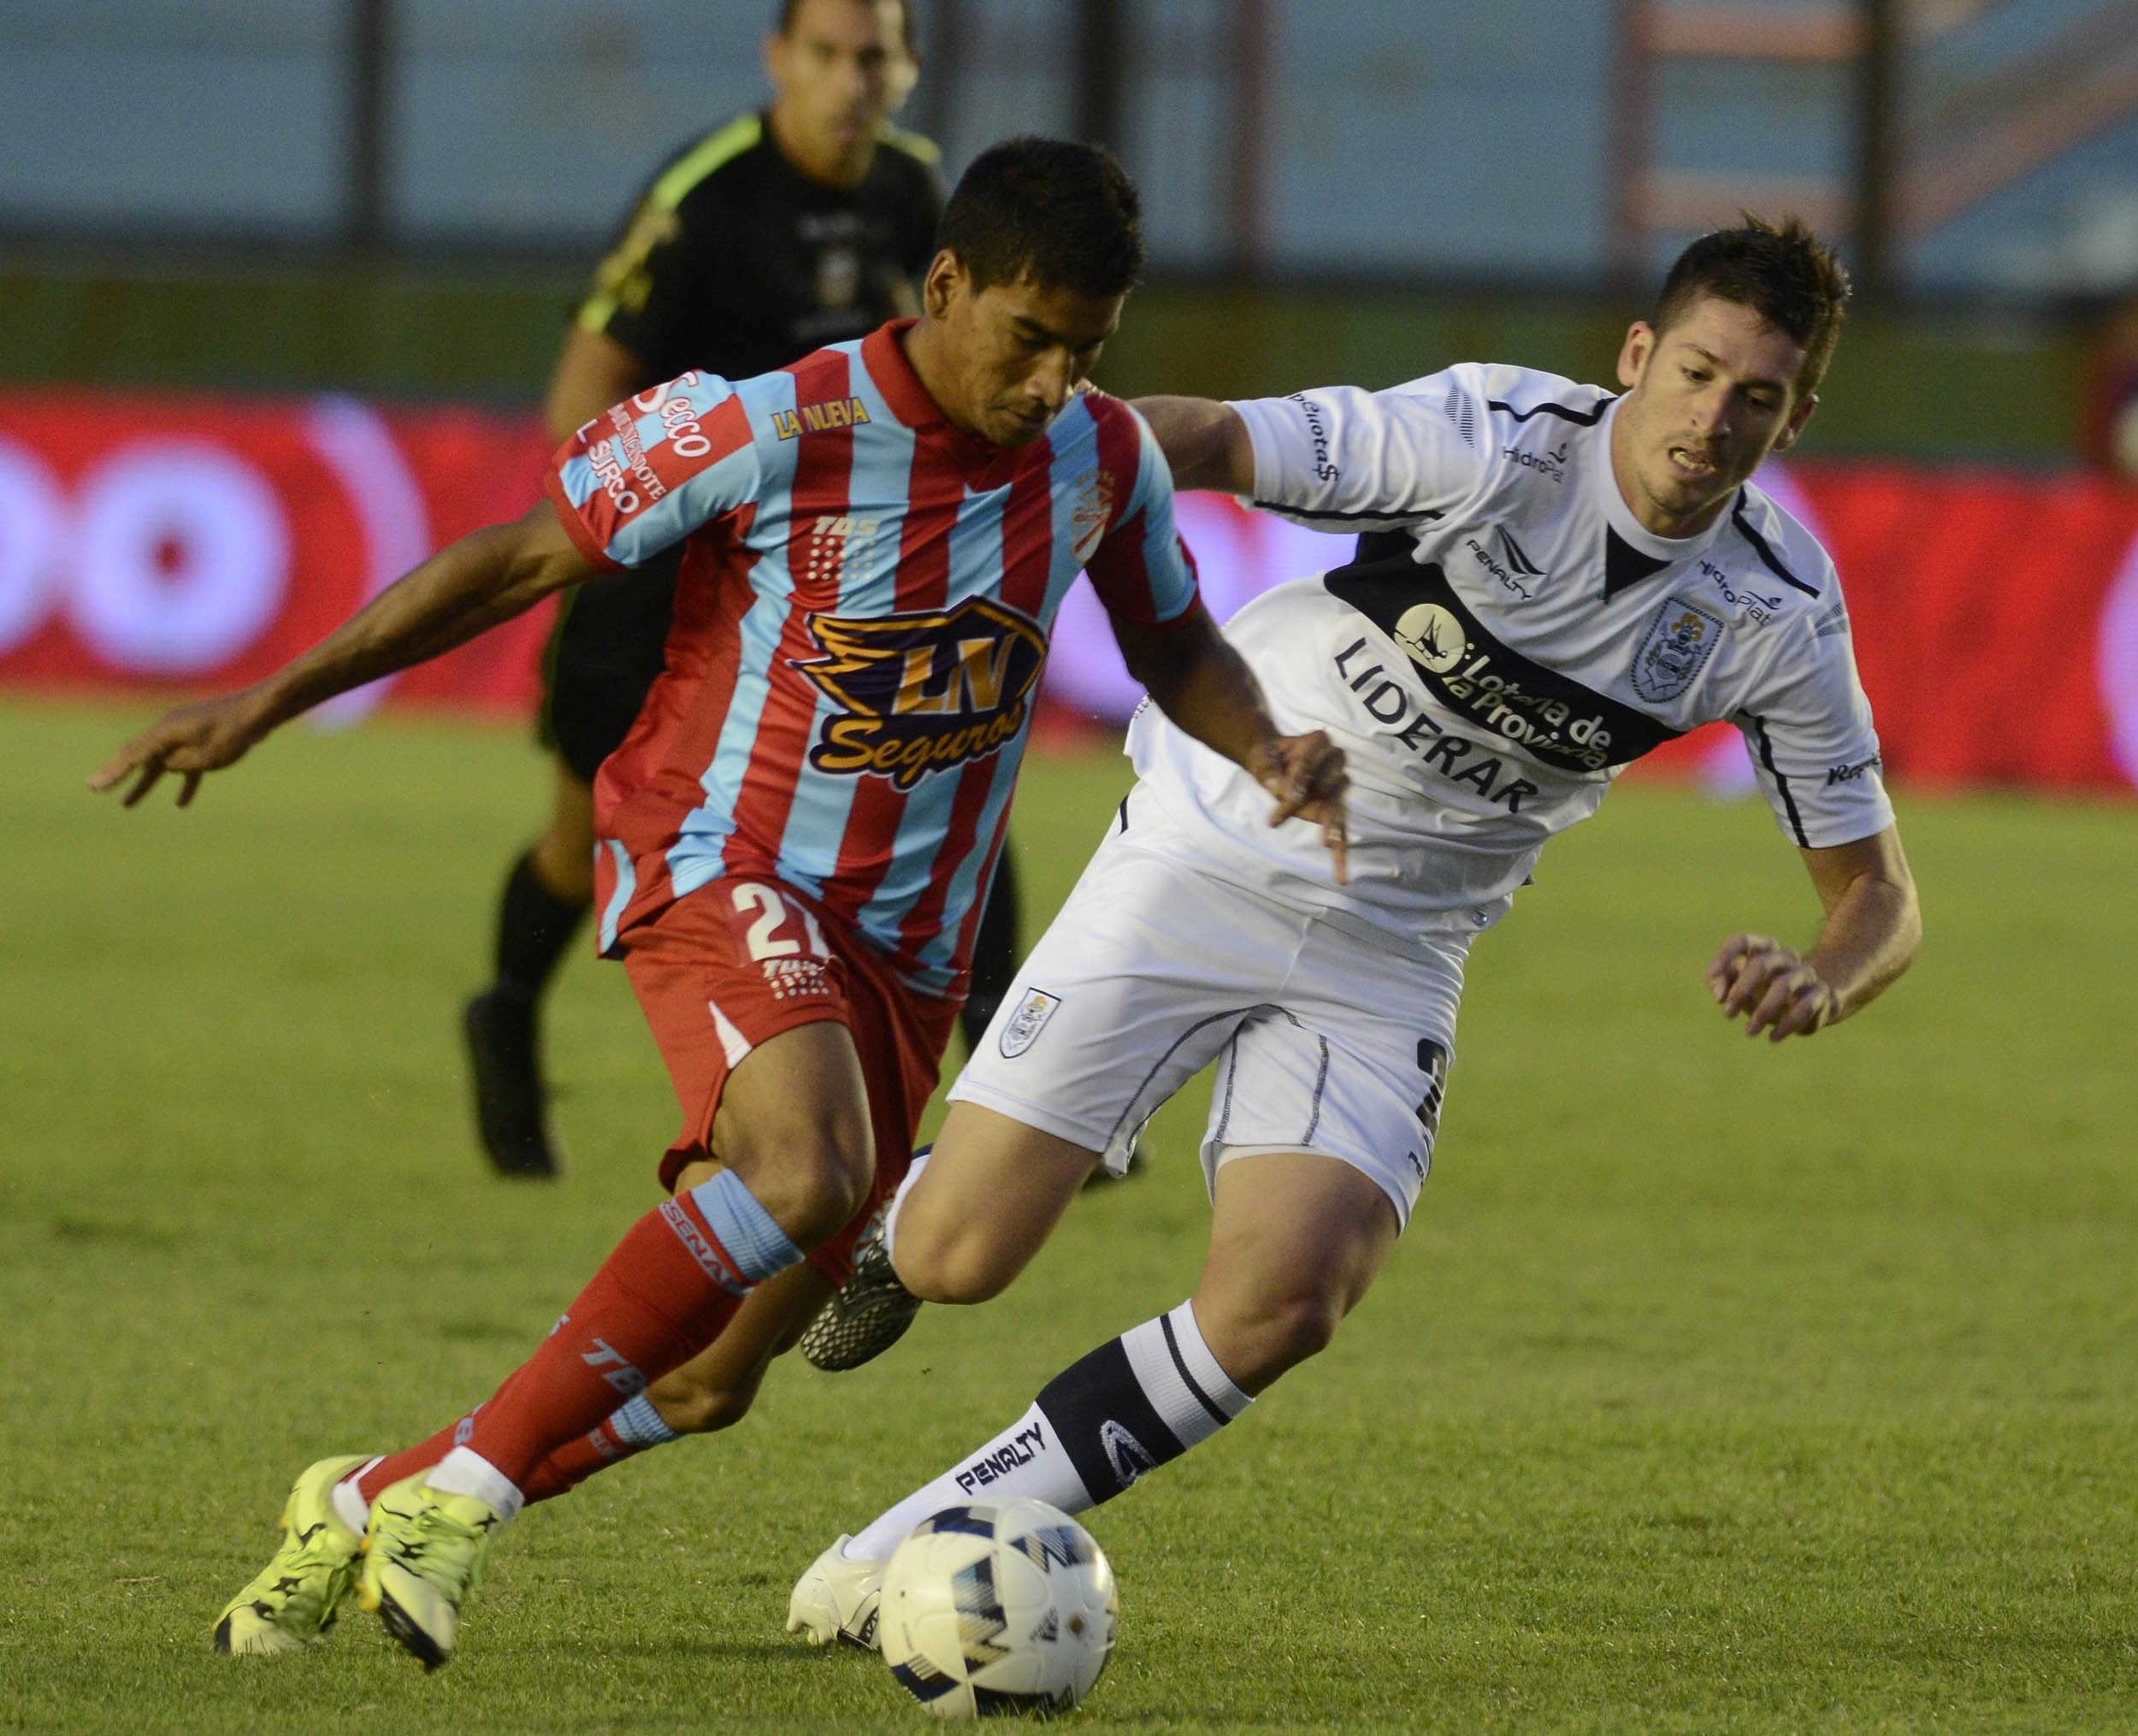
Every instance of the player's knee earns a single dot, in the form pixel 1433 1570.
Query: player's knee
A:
pixel 811 1173
pixel 1257 1338
pixel 812 1195
pixel 948 1263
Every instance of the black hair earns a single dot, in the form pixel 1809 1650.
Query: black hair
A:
pixel 1066 215
pixel 1783 273
pixel 783 24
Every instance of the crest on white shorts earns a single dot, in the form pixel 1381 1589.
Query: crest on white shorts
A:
pixel 1026 1023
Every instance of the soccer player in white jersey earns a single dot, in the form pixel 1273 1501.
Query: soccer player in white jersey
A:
pixel 1552 580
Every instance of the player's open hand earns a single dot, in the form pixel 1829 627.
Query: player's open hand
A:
pixel 1306 775
pixel 191 741
pixel 1770 984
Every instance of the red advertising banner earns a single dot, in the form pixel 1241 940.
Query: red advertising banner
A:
pixel 195 543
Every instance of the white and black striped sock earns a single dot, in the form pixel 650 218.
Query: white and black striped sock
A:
pixel 1133 1404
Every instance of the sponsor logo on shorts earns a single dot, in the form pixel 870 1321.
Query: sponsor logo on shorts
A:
pixel 790 979
pixel 1849 774
pixel 924 691
pixel 1016 1451
pixel 1680 639
pixel 1026 1023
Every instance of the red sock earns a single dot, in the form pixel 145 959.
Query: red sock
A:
pixel 578 1458
pixel 654 1304
pixel 420 1457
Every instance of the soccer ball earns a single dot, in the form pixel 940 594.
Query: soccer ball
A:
pixel 1000 1606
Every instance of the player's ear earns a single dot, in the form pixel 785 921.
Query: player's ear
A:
pixel 1795 426
pixel 939 287
pixel 1633 354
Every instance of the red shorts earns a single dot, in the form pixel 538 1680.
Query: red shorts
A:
pixel 735 963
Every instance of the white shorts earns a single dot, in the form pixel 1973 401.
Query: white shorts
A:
pixel 1329 1036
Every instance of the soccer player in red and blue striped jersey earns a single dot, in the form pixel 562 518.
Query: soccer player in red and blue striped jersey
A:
pixel 797 833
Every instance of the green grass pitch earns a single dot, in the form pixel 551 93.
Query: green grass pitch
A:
pixel 1715 1387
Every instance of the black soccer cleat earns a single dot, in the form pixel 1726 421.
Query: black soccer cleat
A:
pixel 864 1318
pixel 505 1061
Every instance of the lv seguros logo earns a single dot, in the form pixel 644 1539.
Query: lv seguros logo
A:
pixel 924 691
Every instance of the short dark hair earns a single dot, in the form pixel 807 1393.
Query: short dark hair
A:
pixel 1066 215
pixel 1784 274
pixel 783 24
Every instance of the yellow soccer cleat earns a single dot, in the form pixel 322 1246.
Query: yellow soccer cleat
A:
pixel 422 1557
pixel 292 1602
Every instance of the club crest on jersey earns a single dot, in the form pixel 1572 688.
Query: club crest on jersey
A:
pixel 1089 515
pixel 1026 1023
pixel 818 418
pixel 924 691
pixel 1680 639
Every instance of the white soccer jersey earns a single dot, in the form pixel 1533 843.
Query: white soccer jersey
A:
pixel 1507 640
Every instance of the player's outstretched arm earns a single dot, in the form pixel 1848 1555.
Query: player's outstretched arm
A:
pixel 1872 929
pixel 1196 678
pixel 463 589
pixel 1206 444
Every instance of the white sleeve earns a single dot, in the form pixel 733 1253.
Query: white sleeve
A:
pixel 1341 459
pixel 1813 745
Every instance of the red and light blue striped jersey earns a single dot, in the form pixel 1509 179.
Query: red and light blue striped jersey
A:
pixel 861 616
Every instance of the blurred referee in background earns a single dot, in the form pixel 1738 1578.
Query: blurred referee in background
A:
pixel 776 234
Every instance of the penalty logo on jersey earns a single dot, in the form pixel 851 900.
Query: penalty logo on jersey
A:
pixel 924 691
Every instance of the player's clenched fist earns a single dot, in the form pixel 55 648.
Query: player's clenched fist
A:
pixel 191 740
pixel 1306 775
pixel 1772 986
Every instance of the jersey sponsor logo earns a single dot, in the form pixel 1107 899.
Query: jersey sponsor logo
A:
pixel 679 413
pixel 1452 757
pixel 819 419
pixel 1089 514
pixel 1550 716
pixel 1849 774
pixel 1325 469
pixel 1128 1457
pixel 1756 608
pixel 1552 463
pixel 1681 637
pixel 1517 572
pixel 840 543
pixel 1024 1024
pixel 924 691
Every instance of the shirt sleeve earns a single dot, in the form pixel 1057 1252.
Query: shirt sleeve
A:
pixel 1813 745
pixel 1141 569
pixel 1342 458
pixel 645 474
